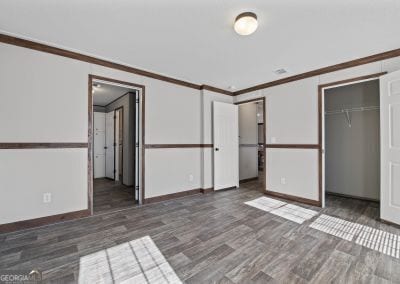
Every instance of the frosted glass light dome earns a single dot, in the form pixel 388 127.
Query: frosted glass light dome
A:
pixel 246 23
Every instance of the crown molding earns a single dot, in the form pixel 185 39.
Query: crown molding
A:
pixel 348 64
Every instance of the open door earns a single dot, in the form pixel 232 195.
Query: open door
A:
pixel 390 147
pixel 110 151
pixel 226 145
pixel 99 143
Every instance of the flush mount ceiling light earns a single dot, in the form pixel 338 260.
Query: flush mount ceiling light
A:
pixel 246 23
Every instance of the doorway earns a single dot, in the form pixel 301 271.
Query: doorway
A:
pixel 116 145
pixel 252 144
pixel 351 141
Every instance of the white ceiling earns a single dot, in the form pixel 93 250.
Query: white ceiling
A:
pixel 105 94
pixel 195 41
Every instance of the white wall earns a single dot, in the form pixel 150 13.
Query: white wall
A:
pixel 292 118
pixel 172 170
pixel 25 175
pixel 298 168
pixel 32 87
pixel 248 141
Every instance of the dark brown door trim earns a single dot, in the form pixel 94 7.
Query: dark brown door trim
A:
pixel 51 145
pixel 320 114
pixel 90 134
pixel 165 146
pixel 262 99
pixel 293 146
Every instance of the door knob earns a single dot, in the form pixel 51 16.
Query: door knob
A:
pixel 216 149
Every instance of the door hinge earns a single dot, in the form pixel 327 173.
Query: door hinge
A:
pixel 137 144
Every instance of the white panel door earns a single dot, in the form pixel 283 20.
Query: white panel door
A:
pixel 226 145
pixel 110 151
pixel 99 143
pixel 390 147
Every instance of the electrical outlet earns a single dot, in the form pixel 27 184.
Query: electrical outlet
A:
pixel 47 197
pixel 283 180
pixel 191 178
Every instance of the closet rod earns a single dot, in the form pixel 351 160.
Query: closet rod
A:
pixel 347 110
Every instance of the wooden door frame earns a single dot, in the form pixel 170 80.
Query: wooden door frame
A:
pixel 264 189
pixel 321 93
pixel 142 88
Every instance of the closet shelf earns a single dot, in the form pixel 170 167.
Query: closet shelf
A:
pixel 346 111
pixel 341 111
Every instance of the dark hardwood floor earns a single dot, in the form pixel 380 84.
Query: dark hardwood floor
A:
pixel 206 239
pixel 109 195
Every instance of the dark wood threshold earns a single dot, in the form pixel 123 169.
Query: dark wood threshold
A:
pixel 352 196
pixel 293 146
pixel 42 221
pixel 171 196
pixel 248 179
pixel 207 190
pixel 43 145
pixel 226 188
pixel 293 198
pixel 164 146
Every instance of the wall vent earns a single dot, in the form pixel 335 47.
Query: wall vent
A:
pixel 280 71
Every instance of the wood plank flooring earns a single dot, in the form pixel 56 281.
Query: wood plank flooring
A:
pixel 109 196
pixel 212 238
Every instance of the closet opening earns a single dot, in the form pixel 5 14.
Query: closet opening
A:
pixel 116 146
pixel 351 143
pixel 252 144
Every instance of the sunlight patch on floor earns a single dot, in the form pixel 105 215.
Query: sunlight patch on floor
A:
pixel 337 227
pixel 379 240
pixel 294 213
pixel 137 261
pixel 265 203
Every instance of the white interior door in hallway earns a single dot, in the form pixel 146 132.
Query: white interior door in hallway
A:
pixel 99 143
pixel 226 145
